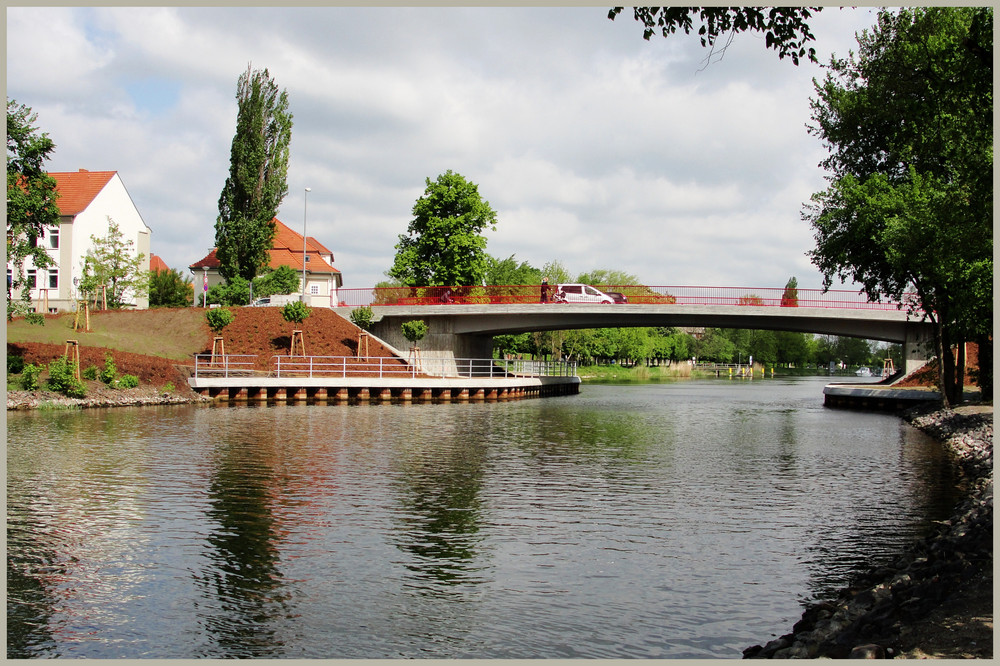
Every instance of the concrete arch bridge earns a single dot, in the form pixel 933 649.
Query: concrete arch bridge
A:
pixel 463 320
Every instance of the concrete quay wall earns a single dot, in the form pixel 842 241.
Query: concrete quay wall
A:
pixel 386 389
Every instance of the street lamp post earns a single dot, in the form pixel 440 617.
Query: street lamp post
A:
pixel 305 208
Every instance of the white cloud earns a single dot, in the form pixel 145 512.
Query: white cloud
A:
pixel 596 148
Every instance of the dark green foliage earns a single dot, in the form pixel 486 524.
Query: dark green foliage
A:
pixel 90 373
pixel 108 373
pixel 235 291
pixel 444 244
pixel 169 289
pixel 295 312
pixel 62 378
pixel 362 317
pixel 910 203
pixel 281 280
pixel 785 29
pixel 509 272
pixel 414 330
pixel 257 183
pixel 790 297
pixel 29 377
pixel 218 319
pixel 15 364
pixel 31 203
pixel 127 382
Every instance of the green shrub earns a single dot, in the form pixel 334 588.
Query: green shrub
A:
pixel 15 364
pixel 110 371
pixel 414 330
pixel 62 378
pixel 168 387
pixel 90 373
pixel 295 312
pixel 127 382
pixel 218 319
pixel 362 317
pixel 29 377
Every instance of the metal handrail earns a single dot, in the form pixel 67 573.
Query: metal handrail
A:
pixel 225 365
pixel 636 294
pixel 383 367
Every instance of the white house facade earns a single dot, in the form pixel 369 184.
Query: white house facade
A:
pixel 87 200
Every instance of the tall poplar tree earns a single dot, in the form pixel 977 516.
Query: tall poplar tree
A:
pixel 257 183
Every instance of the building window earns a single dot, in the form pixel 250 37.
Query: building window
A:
pixel 32 275
pixel 54 279
pixel 54 238
pixel 314 289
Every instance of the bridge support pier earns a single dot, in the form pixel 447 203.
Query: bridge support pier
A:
pixel 918 348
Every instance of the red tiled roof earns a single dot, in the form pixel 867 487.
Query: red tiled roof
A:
pixel 78 188
pixel 286 250
pixel 157 264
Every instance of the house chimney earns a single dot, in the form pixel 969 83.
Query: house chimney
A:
pixel 84 171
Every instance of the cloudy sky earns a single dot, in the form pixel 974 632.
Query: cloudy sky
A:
pixel 596 148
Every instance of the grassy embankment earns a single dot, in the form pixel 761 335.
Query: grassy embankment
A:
pixel 168 333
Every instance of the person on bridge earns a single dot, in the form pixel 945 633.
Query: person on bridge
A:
pixel 545 290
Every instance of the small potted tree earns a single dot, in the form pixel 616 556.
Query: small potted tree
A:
pixel 362 318
pixel 218 319
pixel 414 331
pixel 295 313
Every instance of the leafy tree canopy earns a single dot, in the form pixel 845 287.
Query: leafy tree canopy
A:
pixel 509 272
pixel 281 280
pixel 910 204
pixel 31 201
pixel 169 289
pixel 257 181
pixel 444 244
pixel 785 29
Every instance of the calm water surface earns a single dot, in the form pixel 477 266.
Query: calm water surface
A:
pixel 690 519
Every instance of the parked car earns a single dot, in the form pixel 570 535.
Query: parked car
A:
pixel 580 293
pixel 276 299
pixel 617 296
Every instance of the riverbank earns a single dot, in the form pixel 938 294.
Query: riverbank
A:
pixel 935 600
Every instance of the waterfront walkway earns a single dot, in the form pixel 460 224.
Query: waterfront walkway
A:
pixel 341 379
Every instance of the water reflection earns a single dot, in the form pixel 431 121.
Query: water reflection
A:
pixel 688 520
pixel 438 484
pixel 244 582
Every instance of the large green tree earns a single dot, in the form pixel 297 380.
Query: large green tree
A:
pixel 257 181
pixel 909 125
pixel 31 202
pixel 785 29
pixel 444 244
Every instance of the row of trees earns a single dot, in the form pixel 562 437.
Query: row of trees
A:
pixel 657 346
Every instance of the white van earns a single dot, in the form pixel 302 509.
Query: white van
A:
pixel 580 293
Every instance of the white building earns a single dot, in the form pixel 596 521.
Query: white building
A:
pixel 86 200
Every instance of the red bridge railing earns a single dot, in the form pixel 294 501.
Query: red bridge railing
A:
pixel 635 295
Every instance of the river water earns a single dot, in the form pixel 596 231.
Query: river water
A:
pixel 688 519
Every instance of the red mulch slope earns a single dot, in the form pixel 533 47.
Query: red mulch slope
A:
pixel 262 331
pixel 153 370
